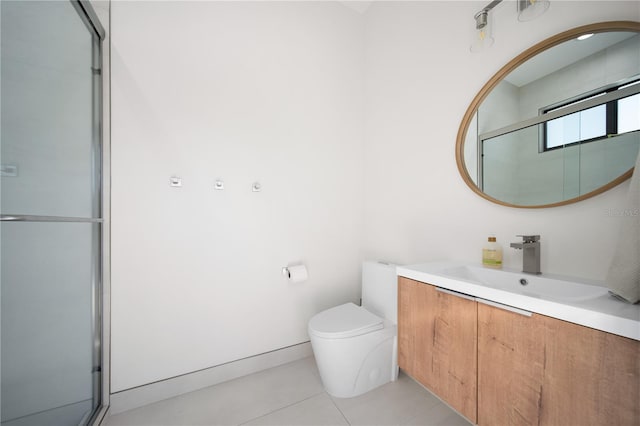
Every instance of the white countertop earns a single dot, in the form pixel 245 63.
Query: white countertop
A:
pixel 605 313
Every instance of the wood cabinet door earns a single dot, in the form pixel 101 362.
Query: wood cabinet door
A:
pixel 591 377
pixel 437 341
pixel 543 371
pixel 414 321
pixel 510 366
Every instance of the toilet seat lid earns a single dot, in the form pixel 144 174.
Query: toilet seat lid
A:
pixel 343 321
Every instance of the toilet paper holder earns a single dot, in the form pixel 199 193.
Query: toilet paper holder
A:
pixel 295 273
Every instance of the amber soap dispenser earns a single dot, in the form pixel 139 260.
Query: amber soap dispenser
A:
pixel 492 254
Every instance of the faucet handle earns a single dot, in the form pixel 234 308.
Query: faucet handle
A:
pixel 529 238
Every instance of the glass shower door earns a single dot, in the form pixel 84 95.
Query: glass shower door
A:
pixel 50 233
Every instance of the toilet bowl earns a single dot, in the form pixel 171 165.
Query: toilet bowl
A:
pixel 356 346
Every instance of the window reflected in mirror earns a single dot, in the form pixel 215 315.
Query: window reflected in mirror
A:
pixel 592 124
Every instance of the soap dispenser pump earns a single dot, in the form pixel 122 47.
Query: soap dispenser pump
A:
pixel 492 254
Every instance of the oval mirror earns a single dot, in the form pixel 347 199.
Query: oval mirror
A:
pixel 559 123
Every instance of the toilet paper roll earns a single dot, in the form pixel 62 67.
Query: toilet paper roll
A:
pixel 297 273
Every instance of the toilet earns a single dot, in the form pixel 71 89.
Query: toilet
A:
pixel 356 346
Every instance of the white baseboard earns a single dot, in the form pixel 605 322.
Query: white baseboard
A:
pixel 154 392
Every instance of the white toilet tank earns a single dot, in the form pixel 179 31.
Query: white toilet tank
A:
pixel 379 289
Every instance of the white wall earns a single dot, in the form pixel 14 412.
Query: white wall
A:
pixel 242 91
pixel 286 94
pixel 420 79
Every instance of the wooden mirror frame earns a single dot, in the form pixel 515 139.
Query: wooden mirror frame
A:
pixel 498 77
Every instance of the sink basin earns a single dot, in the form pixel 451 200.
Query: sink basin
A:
pixel 577 300
pixel 539 286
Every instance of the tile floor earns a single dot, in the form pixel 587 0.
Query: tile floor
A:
pixel 292 395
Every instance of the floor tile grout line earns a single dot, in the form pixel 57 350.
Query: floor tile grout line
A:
pixel 281 408
pixel 336 405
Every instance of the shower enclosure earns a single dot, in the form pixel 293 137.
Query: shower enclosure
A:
pixel 51 214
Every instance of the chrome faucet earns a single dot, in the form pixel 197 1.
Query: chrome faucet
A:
pixel 530 247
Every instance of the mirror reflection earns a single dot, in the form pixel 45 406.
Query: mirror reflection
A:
pixel 561 125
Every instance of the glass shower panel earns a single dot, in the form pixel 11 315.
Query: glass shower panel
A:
pixel 514 169
pixel 47 155
pixel 50 231
pixel 47 305
pixel 607 159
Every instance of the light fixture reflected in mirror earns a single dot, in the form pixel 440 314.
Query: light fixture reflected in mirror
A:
pixel 531 9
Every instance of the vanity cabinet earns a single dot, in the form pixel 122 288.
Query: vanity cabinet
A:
pixel 502 366
pixel 437 342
